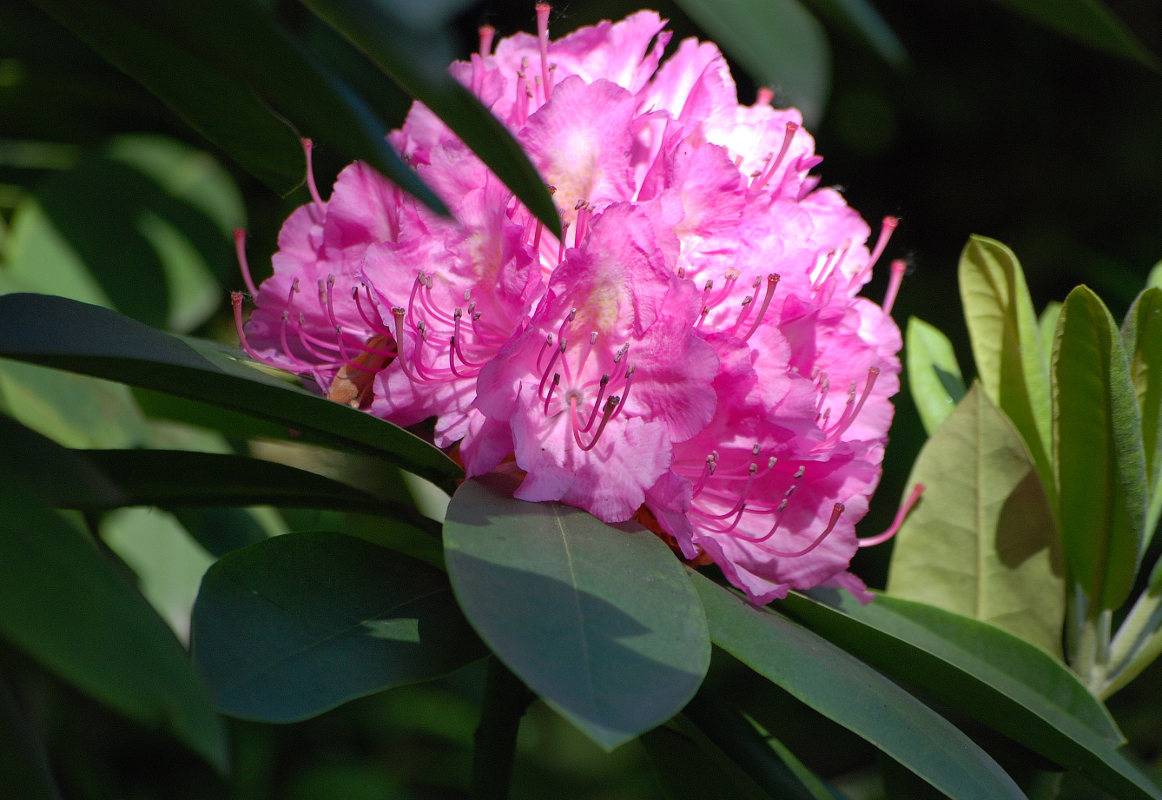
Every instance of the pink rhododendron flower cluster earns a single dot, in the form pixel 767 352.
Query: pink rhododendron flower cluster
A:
pixel 691 353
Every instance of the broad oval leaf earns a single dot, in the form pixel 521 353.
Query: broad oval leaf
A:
pixel 981 542
pixel 933 374
pixel 1088 21
pixel 1006 344
pixel 601 623
pixel 69 608
pixel 82 338
pixel 853 694
pixel 1142 338
pixel 984 673
pixel 777 42
pixel 296 625
pixel 1098 452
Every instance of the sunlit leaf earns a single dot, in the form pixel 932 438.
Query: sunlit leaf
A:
pixel 1006 344
pixel 933 374
pixel 1098 452
pixel 81 338
pixel 419 64
pixel 1154 279
pixel 296 625
pixel 853 694
pixel 1142 339
pixel 777 42
pixel 980 541
pixel 1088 21
pixel 1047 323
pixel 66 606
pixel 601 623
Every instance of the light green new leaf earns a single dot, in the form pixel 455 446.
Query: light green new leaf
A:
pixel 1154 279
pixel 933 374
pixel 1006 344
pixel 296 625
pixel 1047 323
pixel 777 42
pixel 853 694
pixel 1142 338
pixel 1088 21
pixel 979 543
pixel 1098 452
pixel 67 606
pixel 601 623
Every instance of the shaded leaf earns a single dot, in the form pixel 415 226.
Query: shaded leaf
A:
pixel 861 19
pixel 296 625
pixel 69 335
pixel 853 694
pixel 984 673
pixel 690 766
pixel 24 770
pixel 1006 344
pixel 933 374
pixel 67 607
pixel 418 63
pixel 1142 339
pixel 980 541
pixel 777 42
pixel 1100 460
pixel 1088 21
pixel 601 623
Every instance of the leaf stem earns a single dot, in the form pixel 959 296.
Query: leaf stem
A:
pixel 506 699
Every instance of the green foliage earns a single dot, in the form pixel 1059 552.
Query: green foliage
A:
pixel 933 374
pixel 981 541
pixel 601 623
pixel 1088 21
pixel 273 649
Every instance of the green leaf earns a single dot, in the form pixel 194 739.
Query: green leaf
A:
pixel 68 608
pixel 601 623
pixel 984 673
pixel 851 693
pixel 777 42
pixel 1088 21
pixel 81 338
pixel 861 19
pixel 1101 463
pixel 1142 339
pixel 980 542
pixel 933 374
pixel 690 766
pixel 1154 279
pixel 141 226
pixel 418 63
pixel 1006 344
pixel 202 92
pixel 296 625
pixel 1047 323
pixel 24 770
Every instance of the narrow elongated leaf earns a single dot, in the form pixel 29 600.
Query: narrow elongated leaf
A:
pixel 1088 21
pixel 984 673
pixel 1006 344
pixel 692 767
pixel 296 625
pixel 419 65
pixel 67 607
pixel 933 374
pixel 861 19
pixel 1142 338
pixel 1100 460
pixel 82 338
pixel 777 42
pixel 601 623
pixel 854 695
pixel 1047 322
pixel 981 541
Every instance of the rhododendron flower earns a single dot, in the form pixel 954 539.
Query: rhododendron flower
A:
pixel 691 353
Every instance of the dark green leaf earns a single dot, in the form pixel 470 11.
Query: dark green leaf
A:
pixel 777 42
pixel 1101 464
pixel 1088 21
pixel 67 607
pixel 601 623
pixel 984 673
pixel 690 766
pixel 853 694
pixel 1006 344
pixel 24 770
pixel 860 19
pixel 293 626
pixel 419 64
pixel 982 540
pixel 69 335
pixel 1142 338
pixel 208 97
pixel 933 374
pixel 220 530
